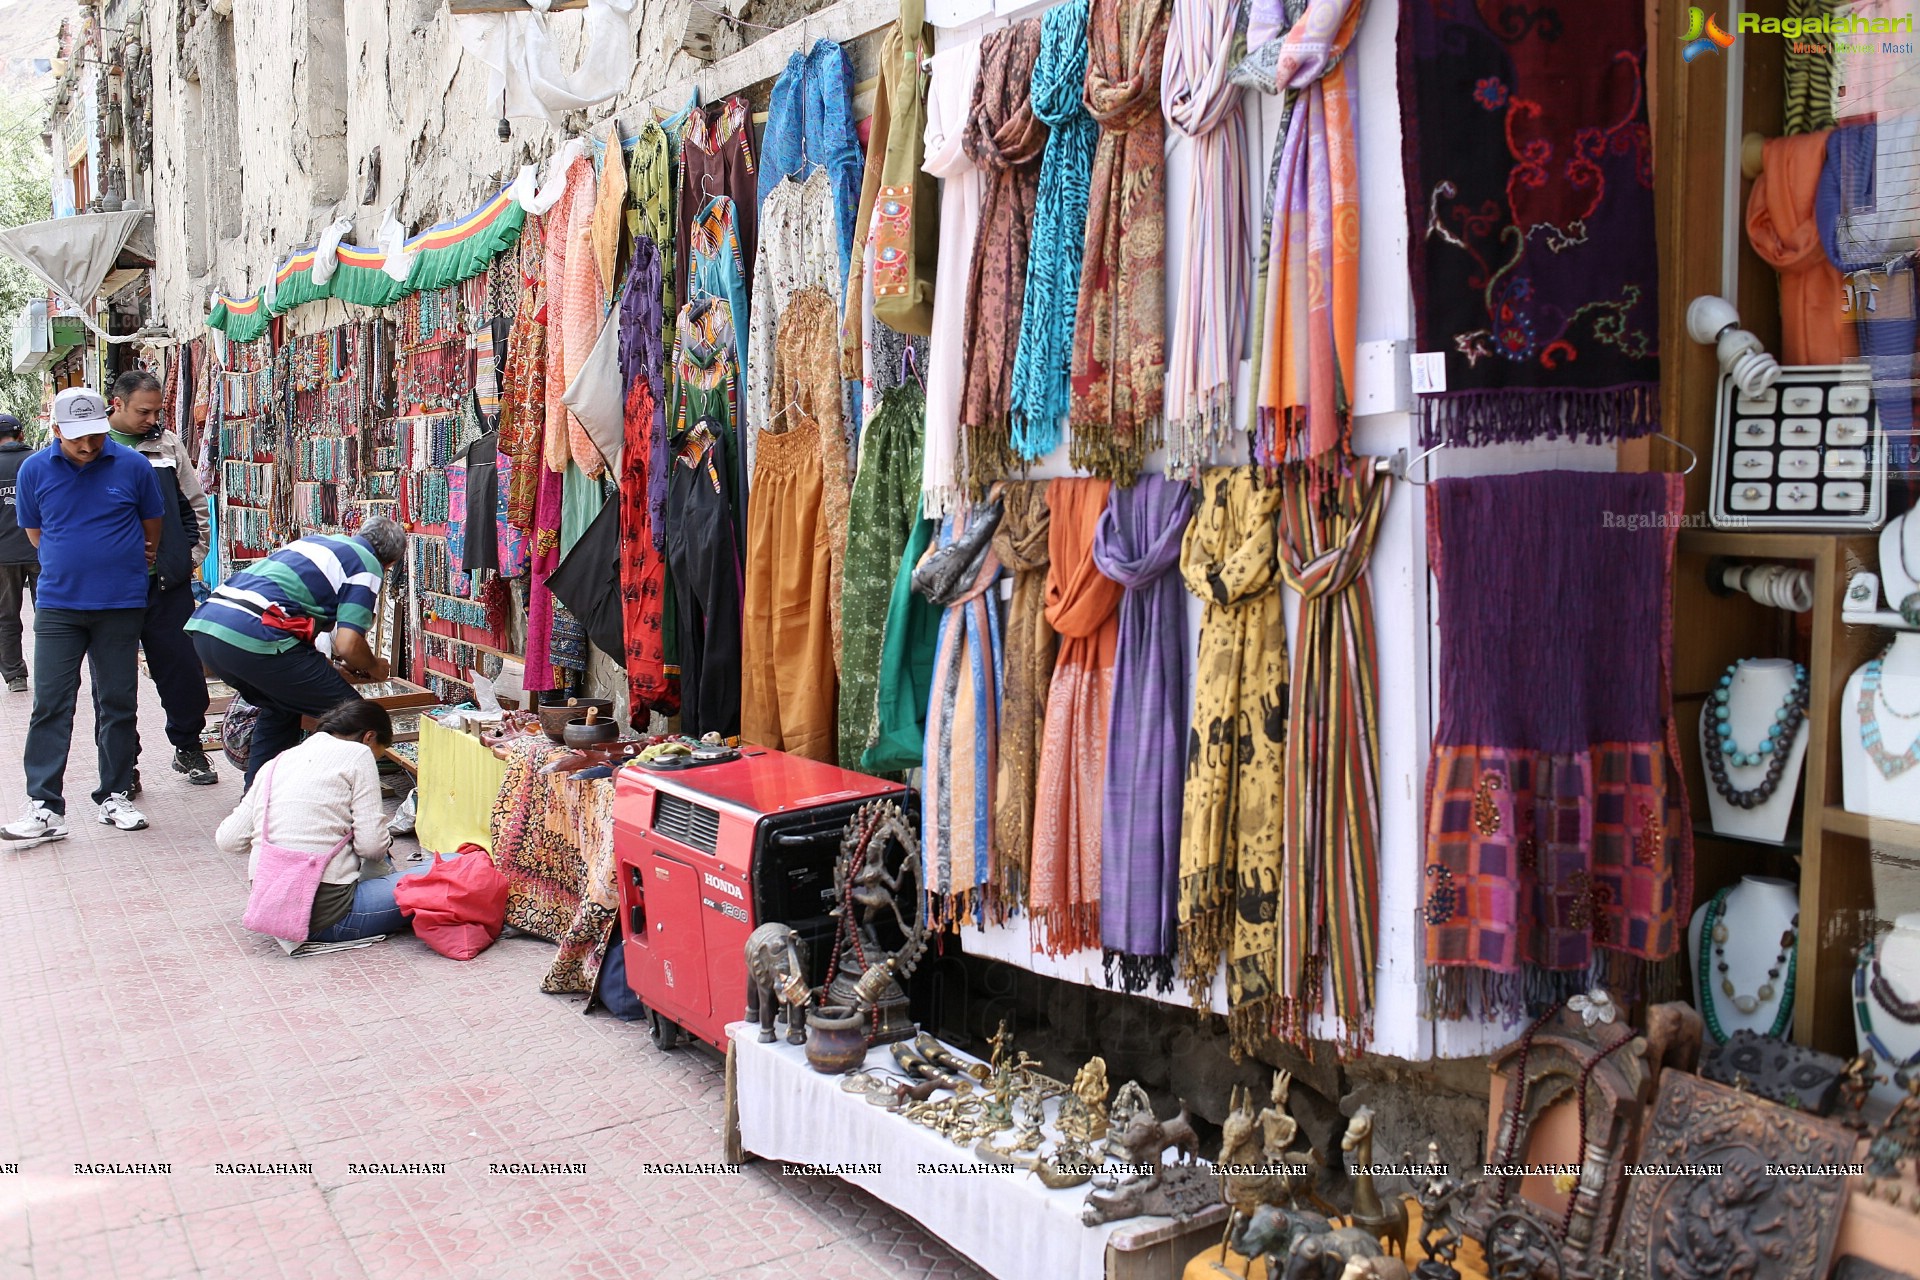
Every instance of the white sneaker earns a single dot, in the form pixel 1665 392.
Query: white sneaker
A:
pixel 117 810
pixel 37 824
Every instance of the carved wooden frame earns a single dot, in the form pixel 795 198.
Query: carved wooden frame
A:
pixel 1788 1225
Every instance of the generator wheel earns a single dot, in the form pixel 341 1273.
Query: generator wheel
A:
pixel 666 1035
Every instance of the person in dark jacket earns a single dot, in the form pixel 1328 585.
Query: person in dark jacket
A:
pixel 18 561
pixel 172 664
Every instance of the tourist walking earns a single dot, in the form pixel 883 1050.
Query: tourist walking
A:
pixel 92 509
pixel 18 561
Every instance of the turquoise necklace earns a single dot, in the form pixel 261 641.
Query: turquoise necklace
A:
pixel 1713 938
pixel 1863 1010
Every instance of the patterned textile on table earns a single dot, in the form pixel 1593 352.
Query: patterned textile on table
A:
pixel 1070 779
pixel 956 798
pixel 1230 811
pixel 1210 311
pixel 1005 139
pixel 523 415
pixel 1330 889
pixel 806 376
pixel 1138 546
pixel 1530 186
pixel 716 159
pixel 1043 364
pixel 880 517
pixel 949 99
pixel 810 130
pixel 1120 327
pixel 796 250
pixel 553 840
pixel 1559 847
pixel 1310 270
pixel 1020 544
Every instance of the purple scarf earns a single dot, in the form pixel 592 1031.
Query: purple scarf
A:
pixel 642 354
pixel 1138 546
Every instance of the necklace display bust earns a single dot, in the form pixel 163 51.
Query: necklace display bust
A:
pixel 1757 912
pixel 1887 989
pixel 1879 711
pixel 1758 689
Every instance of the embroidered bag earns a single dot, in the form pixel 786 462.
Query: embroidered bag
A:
pixel 280 903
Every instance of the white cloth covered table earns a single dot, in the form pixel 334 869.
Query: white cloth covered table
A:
pixel 1003 1219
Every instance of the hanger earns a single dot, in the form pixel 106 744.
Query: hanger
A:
pixel 1693 459
pixel 1401 466
pixel 910 366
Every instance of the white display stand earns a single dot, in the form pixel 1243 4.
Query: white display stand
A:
pixel 1003 1219
pixel 1899 953
pixel 1863 788
pixel 1758 910
pixel 1760 687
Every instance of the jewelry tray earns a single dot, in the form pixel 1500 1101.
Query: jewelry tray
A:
pixel 1807 454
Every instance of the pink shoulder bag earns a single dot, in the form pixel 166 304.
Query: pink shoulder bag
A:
pixel 285 881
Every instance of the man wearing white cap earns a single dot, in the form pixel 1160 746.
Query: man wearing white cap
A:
pixel 93 510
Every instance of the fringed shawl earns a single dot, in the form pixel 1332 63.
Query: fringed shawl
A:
pixel 1005 140
pixel 1559 848
pixel 1312 296
pixel 1021 545
pixel 1331 888
pixel 1043 365
pixel 1138 546
pixel 886 498
pixel 1210 308
pixel 962 714
pixel 949 98
pixel 1120 331
pixel 1230 812
pixel 1082 606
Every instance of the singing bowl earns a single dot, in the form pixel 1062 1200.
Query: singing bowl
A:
pixel 556 719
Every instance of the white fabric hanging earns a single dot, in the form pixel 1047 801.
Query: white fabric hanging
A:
pixel 326 254
pixel 527 75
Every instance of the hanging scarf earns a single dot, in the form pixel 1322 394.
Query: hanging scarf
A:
pixel 1138 546
pixel 609 211
pixel 1559 850
pixel 1808 70
pixel 886 494
pixel 911 634
pixel 962 713
pixel 1210 309
pixel 1082 606
pixel 1330 892
pixel 1230 810
pixel 523 412
pixel 540 604
pixel 1119 331
pixel 949 97
pixel 1530 182
pixel 1312 292
pixel 643 568
pixel 1784 232
pixel 1005 139
pixel 575 309
pixel 1043 364
pixel 642 358
pixel 1021 546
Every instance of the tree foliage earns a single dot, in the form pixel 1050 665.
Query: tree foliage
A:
pixel 25 196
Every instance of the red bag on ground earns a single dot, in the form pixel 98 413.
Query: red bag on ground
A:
pixel 459 905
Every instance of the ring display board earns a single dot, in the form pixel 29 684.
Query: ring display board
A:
pixel 1807 453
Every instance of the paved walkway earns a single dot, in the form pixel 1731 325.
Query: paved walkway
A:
pixel 140 1023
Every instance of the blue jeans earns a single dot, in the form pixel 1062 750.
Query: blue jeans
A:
pixel 373 913
pixel 107 640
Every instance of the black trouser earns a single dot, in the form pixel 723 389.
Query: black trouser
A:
pixel 108 639
pixel 15 581
pixel 703 564
pixel 174 666
pixel 283 686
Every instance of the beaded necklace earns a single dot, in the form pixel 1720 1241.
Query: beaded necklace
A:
pixel 1773 748
pixel 1862 1010
pixel 1907 1011
pixel 1713 937
pixel 1889 765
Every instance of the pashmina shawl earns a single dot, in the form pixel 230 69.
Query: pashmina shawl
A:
pixel 1210 309
pixel 523 411
pixel 1138 546
pixel 906 217
pixel 1530 190
pixel 1559 848
pixel 962 714
pixel 886 497
pixel 949 97
pixel 1230 832
pixel 1119 332
pixel 1043 366
pixel 906 664
pixel 1330 889
pixel 1070 781
pixel 1021 544
pixel 810 129
pixel 1311 306
pixel 1005 139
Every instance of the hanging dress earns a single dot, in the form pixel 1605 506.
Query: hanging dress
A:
pixel 716 159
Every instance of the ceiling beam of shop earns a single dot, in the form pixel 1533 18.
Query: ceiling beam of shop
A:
pixel 767 57
pixel 506 6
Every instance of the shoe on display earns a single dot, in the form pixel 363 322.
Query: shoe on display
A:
pixel 196 766
pixel 117 810
pixel 37 825
pixel 17 685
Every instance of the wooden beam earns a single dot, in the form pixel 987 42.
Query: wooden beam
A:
pixel 506 6
pixel 767 57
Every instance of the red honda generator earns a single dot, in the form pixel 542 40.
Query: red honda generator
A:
pixel 708 853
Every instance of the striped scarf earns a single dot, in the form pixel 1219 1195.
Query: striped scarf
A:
pixel 1808 68
pixel 1044 361
pixel 1120 331
pixel 1330 888
pixel 1210 310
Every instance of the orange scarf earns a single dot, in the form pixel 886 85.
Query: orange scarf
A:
pixel 1781 226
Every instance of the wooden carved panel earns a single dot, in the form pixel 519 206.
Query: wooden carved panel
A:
pixel 1852 1268
pixel 1738 1219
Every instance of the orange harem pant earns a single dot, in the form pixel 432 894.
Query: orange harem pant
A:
pixel 789 690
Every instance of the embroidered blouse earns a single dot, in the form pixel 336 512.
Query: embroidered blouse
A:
pixel 797 249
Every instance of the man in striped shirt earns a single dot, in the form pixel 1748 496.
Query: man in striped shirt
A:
pixel 257 630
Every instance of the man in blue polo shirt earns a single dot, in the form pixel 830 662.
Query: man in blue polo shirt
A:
pixel 93 509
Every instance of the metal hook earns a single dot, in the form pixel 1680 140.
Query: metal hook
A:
pixel 1693 458
pixel 1402 467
